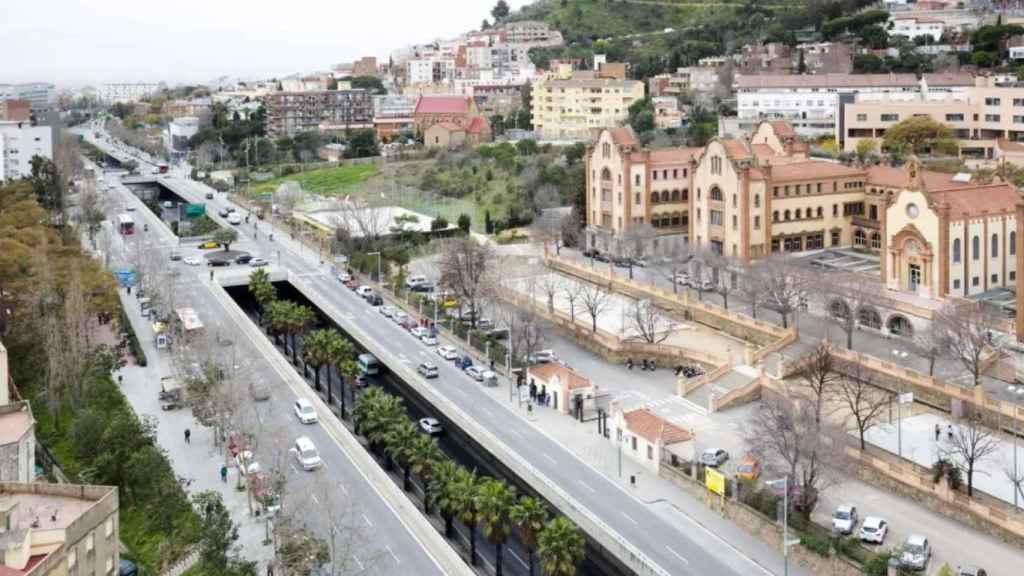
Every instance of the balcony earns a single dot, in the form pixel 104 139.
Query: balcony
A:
pixel 866 222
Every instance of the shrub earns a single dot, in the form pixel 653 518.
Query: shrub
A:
pixel 439 223
pixel 816 544
pixel 878 565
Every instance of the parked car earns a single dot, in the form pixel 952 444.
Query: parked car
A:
pixel 209 195
pixel 260 391
pixel 423 288
pixel 427 369
pixel 217 262
pixel 484 324
pixel 415 280
pixel 344 277
pixel 351 284
pixel 223 213
pixel 209 245
pixel 387 311
pixel 874 530
pixel 193 261
pixel 244 258
pixel 970 571
pixel 589 253
pixel 175 255
pixel 429 339
pixel 542 357
pixel 714 457
pixel 364 290
pixel 419 332
pixel 127 568
pixel 796 493
pixel 400 317
pixel 683 279
pixel 844 519
pixel 234 218
pixel 475 372
pixel 622 262
pixel 749 468
pixel 306 453
pixel 915 553
pixel 447 352
pixel 374 300
pixel 431 426
pixel 258 262
pixel 305 412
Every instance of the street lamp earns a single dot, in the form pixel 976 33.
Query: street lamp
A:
pixel 785 524
pixel 1016 393
pixel 380 277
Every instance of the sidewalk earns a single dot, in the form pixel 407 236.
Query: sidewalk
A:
pixel 198 462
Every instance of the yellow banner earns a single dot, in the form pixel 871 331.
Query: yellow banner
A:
pixel 715 481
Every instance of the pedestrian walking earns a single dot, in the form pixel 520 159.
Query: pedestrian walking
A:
pixel 188 436
pixel 129 290
pixel 938 431
pixel 224 473
pixel 270 569
pixel 543 391
pixel 120 379
pixel 211 275
pixel 949 432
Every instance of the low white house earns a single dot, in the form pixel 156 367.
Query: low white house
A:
pixel 916 26
pixel 649 438
pixel 564 385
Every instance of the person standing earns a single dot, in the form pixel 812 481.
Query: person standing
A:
pixel 224 473
pixel 938 431
pixel 188 436
pixel 949 432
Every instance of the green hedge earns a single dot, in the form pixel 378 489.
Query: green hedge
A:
pixel 134 346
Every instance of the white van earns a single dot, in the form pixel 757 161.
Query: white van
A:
pixel 234 218
pixel 306 453
pixel 414 281
pixel 368 364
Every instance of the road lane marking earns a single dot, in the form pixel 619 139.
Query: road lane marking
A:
pixel 487 411
pixel 356 558
pixel 516 556
pixel 587 486
pixel 388 548
pixel 367 520
pixel 343 489
pixel 630 518
pixel 550 459
pixel 677 555
pixel 294 469
pixel 515 432
pixel 317 502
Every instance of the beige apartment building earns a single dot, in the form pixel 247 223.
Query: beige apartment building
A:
pixel 573 108
pixel 987 119
pixel 58 529
pixel 936 234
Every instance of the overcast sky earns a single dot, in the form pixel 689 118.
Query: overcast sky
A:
pixel 77 42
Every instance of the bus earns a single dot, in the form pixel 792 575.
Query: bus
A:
pixel 368 364
pixel 125 224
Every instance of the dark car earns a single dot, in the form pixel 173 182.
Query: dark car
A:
pixel 601 257
pixel 209 195
pixel 463 362
pixel 127 568
pixel 375 300
pixel 244 259
pixel 622 262
pixel 590 253
pixel 218 262
pixel 223 213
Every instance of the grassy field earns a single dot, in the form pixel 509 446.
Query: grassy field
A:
pixel 325 182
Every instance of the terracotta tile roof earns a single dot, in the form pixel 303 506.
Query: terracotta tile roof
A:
pixel 14 425
pixel 442 105
pixel 551 369
pixel 762 151
pixel 668 155
pixel 812 169
pixel 783 129
pixel 979 200
pixel 891 177
pixel 624 136
pixel 735 149
pixel 652 427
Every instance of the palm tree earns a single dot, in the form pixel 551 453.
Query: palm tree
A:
pixel 277 315
pixel 316 348
pixel 495 501
pixel 262 290
pixel 380 417
pixel 424 458
pixel 341 353
pixel 444 493
pixel 365 405
pixel 529 515
pixel 299 318
pixel 398 443
pixel 561 547
pixel 468 486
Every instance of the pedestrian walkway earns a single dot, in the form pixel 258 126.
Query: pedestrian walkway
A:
pixel 198 462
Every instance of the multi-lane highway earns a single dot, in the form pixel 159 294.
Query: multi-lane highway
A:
pixel 674 545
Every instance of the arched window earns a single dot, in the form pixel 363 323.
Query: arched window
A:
pixel 775 216
pixel 976 248
pixel 821 213
pixel 675 195
pixel 606 174
pixel 654 197
pixel 995 246
pixel 655 222
pixel 677 219
pixel 786 214
pixel 716 194
pixel 686 194
pixel 956 250
pixel 876 241
pixel 664 195
pixel 798 213
pixel 1013 243
pixel 859 238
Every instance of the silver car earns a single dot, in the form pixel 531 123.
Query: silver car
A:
pixel 713 457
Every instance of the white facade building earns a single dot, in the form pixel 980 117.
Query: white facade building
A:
pixel 914 27
pixel 126 92
pixel 42 95
pixel 19 142
pixel 429 70
pixel 179 131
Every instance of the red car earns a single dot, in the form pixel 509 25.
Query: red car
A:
pixel 351 284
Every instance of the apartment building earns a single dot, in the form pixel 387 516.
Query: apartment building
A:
pixel 531 33
pixel 365 66
pixel 571 109
pixel 392 115
pixel 178 133
pixel 58 529
pixel 429 70
pixel 696 82
pixel 500 99
pixel 937 234
pixel 813 104
pixel 915 26
pixel 17 433
pixel 289 113
pixel 42 96
pixel 19 142
pixel 987 119
pixel 127 92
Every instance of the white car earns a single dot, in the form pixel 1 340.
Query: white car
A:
pixel 542 357
pixel 714 457
pixel 399 317
pixel 306 453
pixel 844 519
pixel 431 426
pixel 305 412
pixel 447 352
pixel 419 332
pixel 874 530
pixel 387 311
pixel 192 261
pixel 234 218
pixel 427 369
pixel 344 276
pixel 258 262
pixel 364 290
pixel 475 372
pixel 429 339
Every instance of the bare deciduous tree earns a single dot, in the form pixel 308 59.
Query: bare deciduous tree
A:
pixel 595 301
pixel 752 286
pixel 650 323
pixel 971 444
pixel 636 243
pixel 849 295
pixel 865 402
pixel 550 285
pixel 965 331
pixel 572 290
pixel 465 264
pixel 784 286
pixel 929 345
pixel 674 266
pixel 818 378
